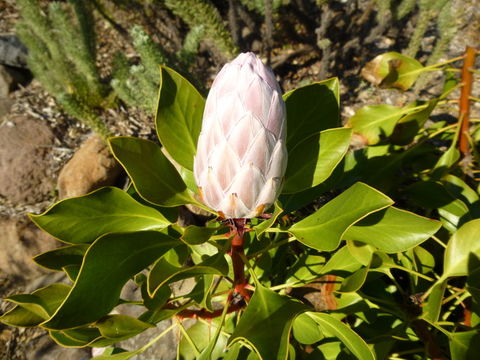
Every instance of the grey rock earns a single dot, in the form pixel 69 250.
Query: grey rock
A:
pixel 12 51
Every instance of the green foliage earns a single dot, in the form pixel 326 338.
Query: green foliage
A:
pixel 62 55
pixel 203 13
pixel 335 272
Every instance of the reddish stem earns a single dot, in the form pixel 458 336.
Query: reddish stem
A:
pixel 239 282
pixel 467 79
pixel 205 314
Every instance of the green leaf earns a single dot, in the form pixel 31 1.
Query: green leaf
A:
pixel 313 160
pixel 202 336
pixel 267 224
pixel 154 177
pixel 465 345
pixel 375 121
pixel 201 293
pixel 448 158
pixel 392 70
pixel 179 116
pixel 58 258
pixel 342 261
pixel 463 250
pixel 432 307
pixel 85 218
pixel 306 269
pixel 324 229
pixel 306 330
pixel 409 126
pixel 32 309
pixel 266 323
pixel 196 235
pixel 310 109
pixel 107 266
pixel 346 335
pixel 354 282
pixel 433 195
pixel 165 272
pixel 120 326
pixel 393 230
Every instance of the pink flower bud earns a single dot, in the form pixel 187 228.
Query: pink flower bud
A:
pixel 241 155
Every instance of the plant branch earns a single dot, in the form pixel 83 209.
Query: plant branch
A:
pixel 467 79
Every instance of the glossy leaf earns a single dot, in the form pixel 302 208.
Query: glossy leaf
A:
pixel 58 258
pixel 108 264
pixel 409 126
pixel 85 218
pixel 392 70
pixel 154 177
pixel 266 323
pixel 346 335
pixel 164 272
pixel 310 109
pixel 433 305
pixel 465 345
pixel 313 160
pixel 354 282
pixel 196 235
pixel 201 335
pixel 179 116
pixel 433 195
pixel 306 330
pixel 393 230
pixel 264 225
pixel 119 326
pixel 463 250
pixel 34 308
pixel 341 261
pixel 374 122
pixel 333 219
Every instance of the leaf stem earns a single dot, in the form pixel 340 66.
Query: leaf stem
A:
pixel 440 242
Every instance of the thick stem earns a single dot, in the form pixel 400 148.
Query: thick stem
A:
pixel 467 80
pixel 205 314
pixel 239 282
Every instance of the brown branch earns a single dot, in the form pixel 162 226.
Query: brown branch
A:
pixel 467 79
pixel 428 338
pixel 205 314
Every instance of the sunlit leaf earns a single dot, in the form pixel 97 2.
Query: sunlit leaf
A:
pixel 392 69
pixel 333 219
pixel 179 116
pixel 108 264
pixel 154 177
pixel 266 323
pixel 85 218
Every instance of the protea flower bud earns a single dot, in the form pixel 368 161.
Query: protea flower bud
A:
pixel 241 155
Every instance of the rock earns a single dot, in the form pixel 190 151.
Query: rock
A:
pixel 20 240
pixel 25 145
pixel 91 167
pixel 10 78
pixel 12 51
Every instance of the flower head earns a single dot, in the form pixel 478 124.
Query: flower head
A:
pixel 241 155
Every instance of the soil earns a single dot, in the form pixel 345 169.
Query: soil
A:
pixel 39 151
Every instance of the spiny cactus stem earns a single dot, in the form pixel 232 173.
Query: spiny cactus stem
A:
pixel 467 80
pixel 239 281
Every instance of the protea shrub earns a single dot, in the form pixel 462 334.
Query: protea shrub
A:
pixel 241 154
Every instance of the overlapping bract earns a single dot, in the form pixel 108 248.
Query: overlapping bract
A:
pixel 241 155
